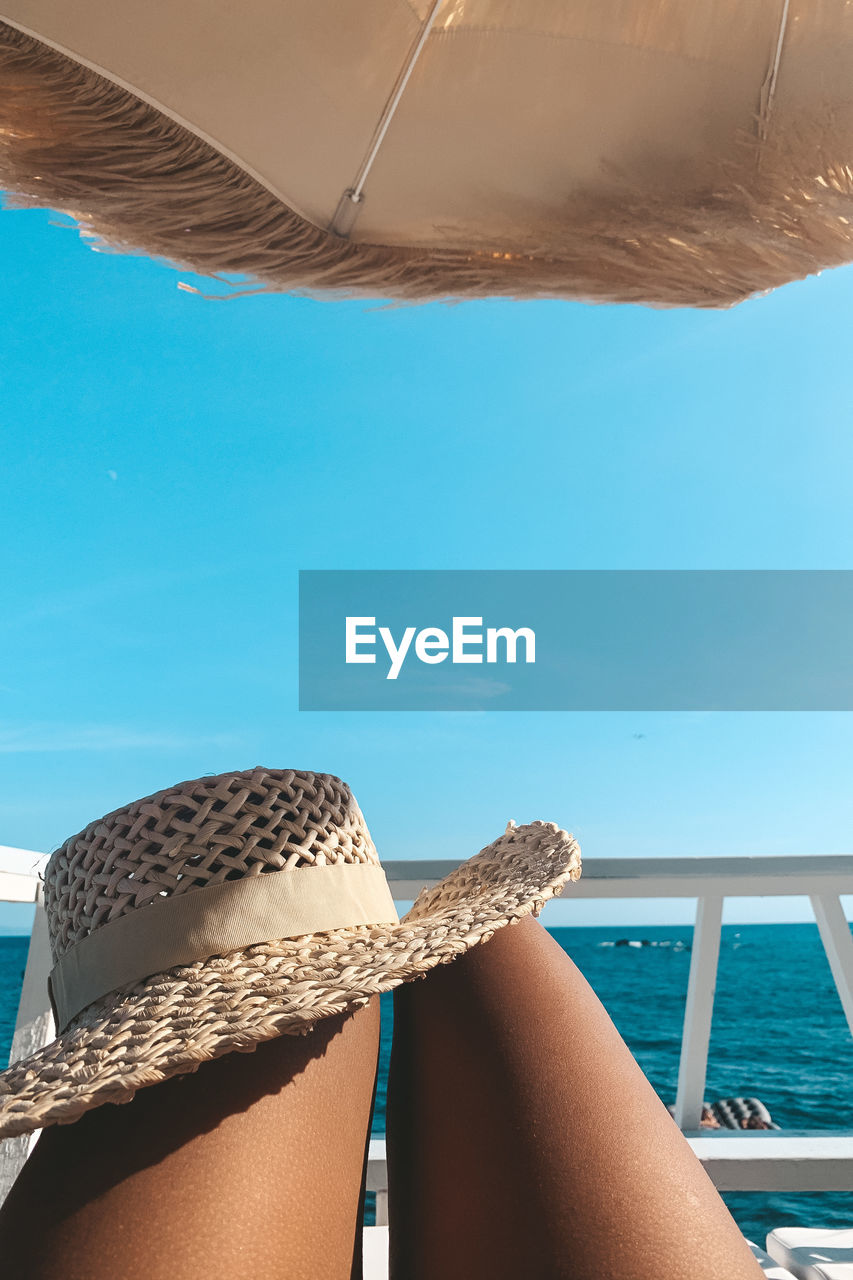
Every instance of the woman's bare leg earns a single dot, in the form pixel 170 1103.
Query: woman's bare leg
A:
pixel 524 1140
pixel 250 1168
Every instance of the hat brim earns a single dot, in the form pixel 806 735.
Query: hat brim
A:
pixel 172 1022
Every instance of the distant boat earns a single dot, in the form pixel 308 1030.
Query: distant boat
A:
pixel 678 945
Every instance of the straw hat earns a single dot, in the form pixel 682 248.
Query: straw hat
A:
pixel 229 910
pixel 659 151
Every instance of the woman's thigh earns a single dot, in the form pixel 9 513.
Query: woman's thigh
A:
pixel 525 1141
pixel 250 1167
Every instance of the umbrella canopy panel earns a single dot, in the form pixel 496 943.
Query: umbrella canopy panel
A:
pixel 534 147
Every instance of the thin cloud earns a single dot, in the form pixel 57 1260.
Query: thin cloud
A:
pixel 81 599
pixel 472 688
pixel 102 737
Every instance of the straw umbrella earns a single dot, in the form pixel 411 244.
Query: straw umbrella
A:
pixel 657 151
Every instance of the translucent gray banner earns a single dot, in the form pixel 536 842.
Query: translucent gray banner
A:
pixel 576 640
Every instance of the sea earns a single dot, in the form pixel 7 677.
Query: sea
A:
pixel 778 1034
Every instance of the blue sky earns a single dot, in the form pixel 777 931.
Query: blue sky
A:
pixel 170 463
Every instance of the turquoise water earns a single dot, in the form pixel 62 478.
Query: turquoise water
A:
pixel 13 958
pixel 778 1033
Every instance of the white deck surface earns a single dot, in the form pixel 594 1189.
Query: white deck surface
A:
pixel 812 1253
pixel 772 1269
pixel 375 1253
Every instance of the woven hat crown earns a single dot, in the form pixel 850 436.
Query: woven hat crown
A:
pixel 196 834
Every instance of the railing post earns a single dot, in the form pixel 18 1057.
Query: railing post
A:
pixel 33 1030
pixel 697 1014
pixel 838 945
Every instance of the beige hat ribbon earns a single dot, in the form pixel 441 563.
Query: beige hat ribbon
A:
pixel 211 921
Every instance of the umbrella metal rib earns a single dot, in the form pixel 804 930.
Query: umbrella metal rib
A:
pixel 768 89
pixel 349 205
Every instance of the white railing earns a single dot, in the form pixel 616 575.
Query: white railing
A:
pixel 754 1161
pixel 709 881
